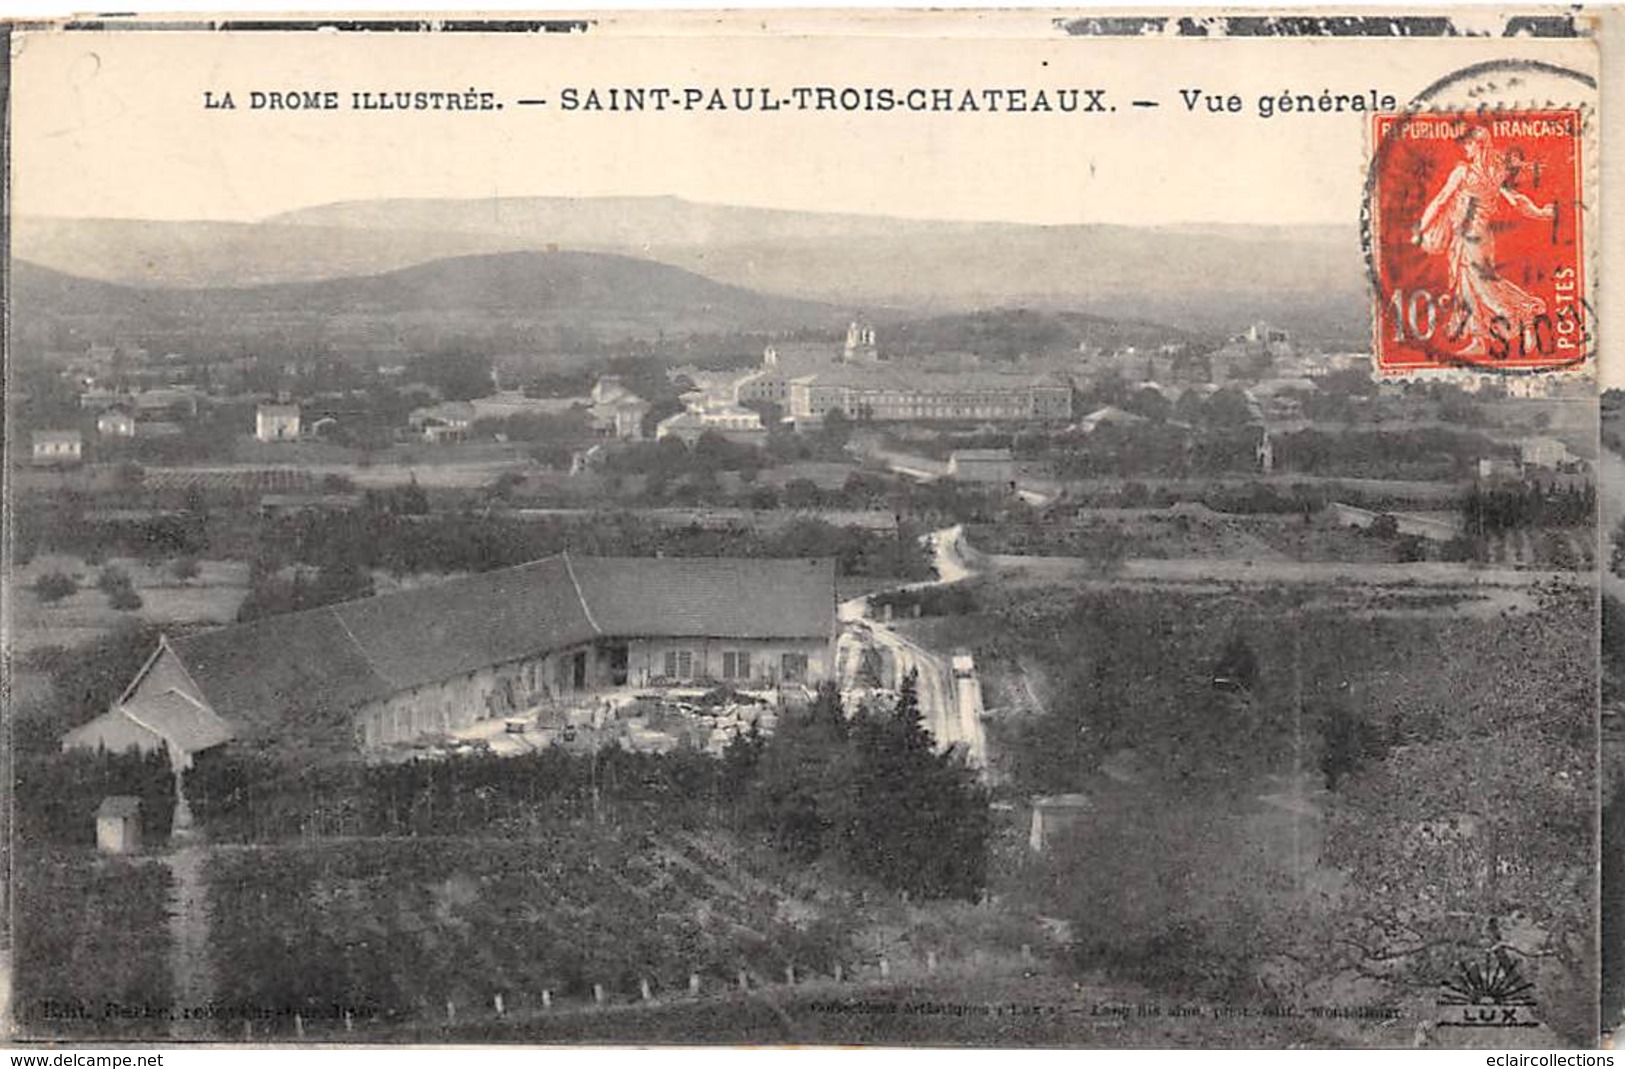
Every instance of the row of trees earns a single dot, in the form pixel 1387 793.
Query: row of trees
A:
pixel 475 542
pixel 1491 510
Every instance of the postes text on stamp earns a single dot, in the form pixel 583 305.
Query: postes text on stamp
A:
pixel 1478 241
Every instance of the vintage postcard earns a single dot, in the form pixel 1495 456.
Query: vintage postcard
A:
pixel 873 527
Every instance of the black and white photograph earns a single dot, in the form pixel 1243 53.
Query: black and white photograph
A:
pixel 889 529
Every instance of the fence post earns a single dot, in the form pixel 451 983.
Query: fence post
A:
pixel 885 968
pixel 643 989
pixel 349 1021
pixel 693 983
pixel 298 1026
pixel 598 994
pixel 248 1030
pixel 838 974
pixel 744 981
pixel 496 1001
pixel 930 961
pixel 790 975
pixel 547 999
pixel 1026 952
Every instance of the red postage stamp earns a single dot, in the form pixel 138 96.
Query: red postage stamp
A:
pixel 1476 241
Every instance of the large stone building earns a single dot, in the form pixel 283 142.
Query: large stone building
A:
pixel 389 669
pixel 897 393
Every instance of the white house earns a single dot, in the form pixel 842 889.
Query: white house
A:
pixel 58 447
pixel 116 422
pixel 276 423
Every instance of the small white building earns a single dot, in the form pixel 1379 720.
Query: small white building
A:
pixel 1054 815
pixel 116 422
pixel 276 423
pixel 1543 452
pixel 118 824
pixel 58 447
pixel 730 421
pixel 449 421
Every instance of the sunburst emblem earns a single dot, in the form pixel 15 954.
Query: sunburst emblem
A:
pixel 1494 981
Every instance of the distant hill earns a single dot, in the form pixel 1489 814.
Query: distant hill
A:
pixel 591 295
pixel 1309 279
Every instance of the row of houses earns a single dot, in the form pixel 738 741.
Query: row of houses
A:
pixel 384 670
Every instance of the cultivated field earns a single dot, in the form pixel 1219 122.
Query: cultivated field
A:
pixel 211 598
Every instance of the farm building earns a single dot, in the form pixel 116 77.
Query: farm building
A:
pixel 434 660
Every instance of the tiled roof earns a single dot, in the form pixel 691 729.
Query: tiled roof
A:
pixel 119 805
pixel 366 650
pixel 178 719
pixel 905 377
pixel 708 596
pixel 447 629
pixel 251 673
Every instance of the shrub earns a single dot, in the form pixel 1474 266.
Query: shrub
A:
pixel 185 569
pixel 111 580
pixel 125 599
pixel 54 586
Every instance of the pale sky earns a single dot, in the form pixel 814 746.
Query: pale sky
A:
pixel 113 124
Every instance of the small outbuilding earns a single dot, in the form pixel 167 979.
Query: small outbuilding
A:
pixel 1055 815
pixel 118 824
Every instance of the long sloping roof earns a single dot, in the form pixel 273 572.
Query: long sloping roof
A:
pixel 674 597
pixel 360 651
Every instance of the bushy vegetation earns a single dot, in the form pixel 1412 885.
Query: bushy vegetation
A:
pixel 84 681
pixel 467 878
pixel 54 586
pixel 389 930
pixel 1412 453
pixel 873 793
pixel 473 542
pixel 1492 510
pixel 90 933
pixel 869 792
pixel 1451 747
pixel 241 795
pixel 119 588
pixel 57 794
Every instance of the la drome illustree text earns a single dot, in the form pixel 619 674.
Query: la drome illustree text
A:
pixel 1037 100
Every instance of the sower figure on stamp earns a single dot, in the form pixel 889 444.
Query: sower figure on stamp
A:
pixel 1459 223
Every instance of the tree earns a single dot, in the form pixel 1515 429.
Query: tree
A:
pixel 799 794
pixel 1237 665
pixel 124 599
pixel 920 819
pixel 802 494
pixel 1350 742
pixel 54 586
pixel 185 569
pixel 1385 527
pixel 1410 548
